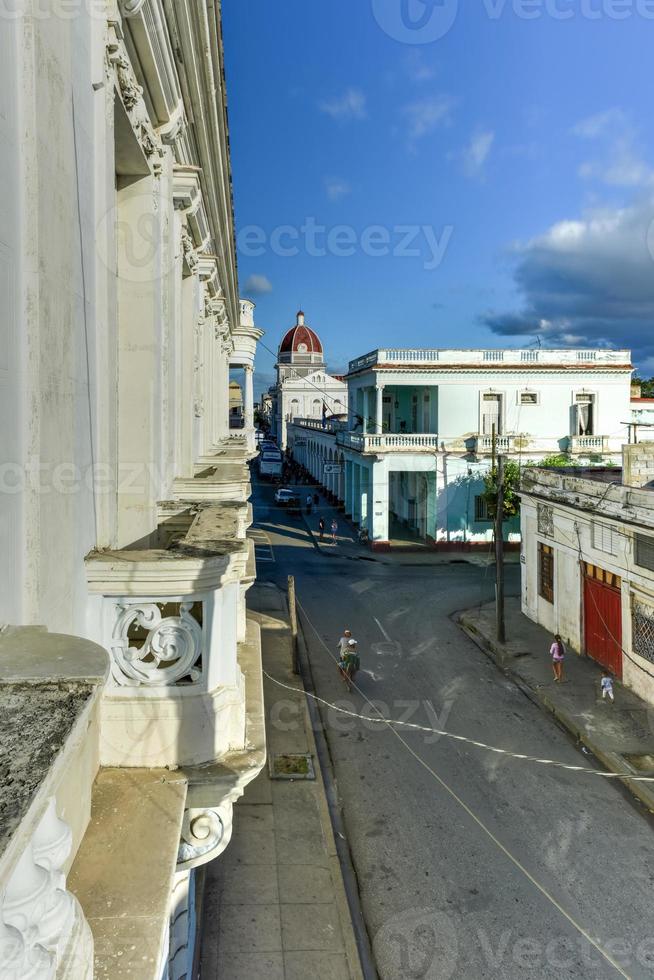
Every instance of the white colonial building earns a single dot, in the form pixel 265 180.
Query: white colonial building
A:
pixel 410 463
pixel 131 712
pixel 588 561
pixel 304 388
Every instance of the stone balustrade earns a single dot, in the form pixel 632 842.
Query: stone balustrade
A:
pixel 589 444
pixel 420 357
pixel 389 442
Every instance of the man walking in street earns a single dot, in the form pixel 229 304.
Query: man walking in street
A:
pixel 334 530
pixel 321 527
pixel 343 643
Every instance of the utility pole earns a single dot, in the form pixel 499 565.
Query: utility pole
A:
pixel 499 551
pixel 292 609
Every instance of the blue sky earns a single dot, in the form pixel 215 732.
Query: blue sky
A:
pixel 512 158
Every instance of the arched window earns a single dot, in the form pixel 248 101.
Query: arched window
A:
pixel 295 408
pixel 317 408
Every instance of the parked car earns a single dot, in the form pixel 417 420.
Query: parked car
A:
pixel 286 497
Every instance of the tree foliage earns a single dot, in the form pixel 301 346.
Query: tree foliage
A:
pixel 646 386
pixel 512 471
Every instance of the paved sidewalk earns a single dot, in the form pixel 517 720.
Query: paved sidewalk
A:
pixel 274 905
pixel 610 731
pixel 347 544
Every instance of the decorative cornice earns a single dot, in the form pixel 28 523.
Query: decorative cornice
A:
pixel 131 95
pixel 190 254
pixel 129 8
pixel 205 835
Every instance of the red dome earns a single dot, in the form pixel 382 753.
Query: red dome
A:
pixel 300 339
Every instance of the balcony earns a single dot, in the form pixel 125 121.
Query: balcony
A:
pixel 589 444
pixel 503 444
pixel 328 425
pixel 389 442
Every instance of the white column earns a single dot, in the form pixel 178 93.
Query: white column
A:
pixel 366 410
pixel 249 405
pixel 378 502
pixel 379 408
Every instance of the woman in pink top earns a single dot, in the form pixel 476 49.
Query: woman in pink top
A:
pixel 557 652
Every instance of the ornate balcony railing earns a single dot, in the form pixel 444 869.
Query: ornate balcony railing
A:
pixel 329 425
pixel 389 442
pixel 503 444
pixel 586 444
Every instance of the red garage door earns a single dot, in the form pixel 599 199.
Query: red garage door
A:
pixel 603 618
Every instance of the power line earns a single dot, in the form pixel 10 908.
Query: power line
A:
pixel 473 816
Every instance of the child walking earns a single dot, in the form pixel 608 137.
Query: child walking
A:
pixel 557 652
pixel 607 687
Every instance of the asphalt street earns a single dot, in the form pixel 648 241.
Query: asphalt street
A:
pixel 469 864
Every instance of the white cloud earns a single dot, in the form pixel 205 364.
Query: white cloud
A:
pixel 337 188
pixel 476 152
pixel 350 105
pixel 618 161
pixel 257 285
pixel 417 68
pixel 425 115
pixel 600 123
pixel 588 280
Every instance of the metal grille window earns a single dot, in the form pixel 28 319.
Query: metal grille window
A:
pixel 642 630
pixel 644 548
pixel 529 398
pixel 546 572
pixel 605 538
pixel 481 509
pixel 546 520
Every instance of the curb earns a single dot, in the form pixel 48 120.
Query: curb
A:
pixel 610 760
pixel 355 933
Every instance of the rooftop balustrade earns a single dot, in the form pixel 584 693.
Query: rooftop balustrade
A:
pixel 422 357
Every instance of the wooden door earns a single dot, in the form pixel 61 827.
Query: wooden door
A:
pixel 603 618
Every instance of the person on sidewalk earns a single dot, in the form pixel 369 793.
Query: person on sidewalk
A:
pixel 557 652
pixel 606 685
pixel 321 527
pixel 334 530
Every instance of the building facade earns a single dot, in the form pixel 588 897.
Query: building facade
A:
pixel 588 561
pixel 131 711
pixel 304 388
pixel 422 425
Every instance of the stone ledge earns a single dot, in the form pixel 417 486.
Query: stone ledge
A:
pixel 50 686
pixel 124 870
